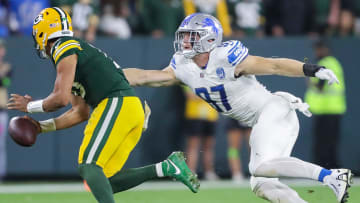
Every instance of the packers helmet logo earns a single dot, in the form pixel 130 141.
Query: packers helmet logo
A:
pixel 38 19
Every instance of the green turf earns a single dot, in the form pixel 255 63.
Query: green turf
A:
pixel 238 195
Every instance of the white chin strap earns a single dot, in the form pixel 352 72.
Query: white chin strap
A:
pixel 43 54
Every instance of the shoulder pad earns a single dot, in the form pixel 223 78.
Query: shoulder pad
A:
pixel 173 62
pixel 63 45
pixel 177 59
pixel 232 52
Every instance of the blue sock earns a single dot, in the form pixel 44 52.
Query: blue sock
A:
pixel 323 173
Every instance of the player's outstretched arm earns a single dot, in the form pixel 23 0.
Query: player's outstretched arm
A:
pixel 256 65
pixel 151 78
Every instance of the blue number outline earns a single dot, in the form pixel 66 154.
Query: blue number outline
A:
pixel 204 94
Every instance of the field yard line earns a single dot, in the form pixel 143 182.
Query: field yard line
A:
pixel 153 185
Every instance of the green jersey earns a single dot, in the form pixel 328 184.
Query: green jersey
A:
pixel 97 76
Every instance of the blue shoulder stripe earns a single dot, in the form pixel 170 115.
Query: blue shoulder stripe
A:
pixel 237 53
pixel 236 44
pixel 242 56
pixel 173 63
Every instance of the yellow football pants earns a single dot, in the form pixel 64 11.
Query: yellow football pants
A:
pixel 112 132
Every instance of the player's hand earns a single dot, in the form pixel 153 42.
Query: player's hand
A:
pixel 327 74
pixel 18 102
pixel 35 122
pixel 295 103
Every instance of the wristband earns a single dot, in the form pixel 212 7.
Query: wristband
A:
pixel 47 125
pixel 311 69
pixel 35 106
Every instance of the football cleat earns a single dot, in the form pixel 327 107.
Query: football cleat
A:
pixel 174 166
pixel 339 181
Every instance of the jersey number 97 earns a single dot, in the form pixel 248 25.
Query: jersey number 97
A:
pixel 203 93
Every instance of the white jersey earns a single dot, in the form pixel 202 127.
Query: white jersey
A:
pixel 241 98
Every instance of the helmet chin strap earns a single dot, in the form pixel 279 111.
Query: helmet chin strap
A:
pixel 43 54
pixel 195 50
pixel 189 54
pixel 43 42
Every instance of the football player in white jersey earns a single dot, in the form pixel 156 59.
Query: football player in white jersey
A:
pixel 222 73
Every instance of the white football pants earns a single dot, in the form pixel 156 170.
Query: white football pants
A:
pixel 274 134
pixel 272 140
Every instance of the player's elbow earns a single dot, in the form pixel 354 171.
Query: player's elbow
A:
pixel 275 70
pixel 62 100
pixel 84 113
pixel 274 66
pixel 81 112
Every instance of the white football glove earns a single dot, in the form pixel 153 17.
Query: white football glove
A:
pixel 327 74
pixel 295 103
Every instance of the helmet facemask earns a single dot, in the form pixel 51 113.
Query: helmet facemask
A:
pixel 193 39
pixel 40 50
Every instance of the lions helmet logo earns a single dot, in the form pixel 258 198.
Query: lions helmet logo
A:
pixel 38 19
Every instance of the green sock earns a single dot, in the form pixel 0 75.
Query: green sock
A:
pixel 233 153
pixel 129 178
pixel 97 182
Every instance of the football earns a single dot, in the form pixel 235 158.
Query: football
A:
pixel 23 131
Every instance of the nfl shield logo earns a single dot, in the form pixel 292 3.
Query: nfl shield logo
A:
pixel 220 73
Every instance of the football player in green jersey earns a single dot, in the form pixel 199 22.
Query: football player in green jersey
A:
pixel 88 78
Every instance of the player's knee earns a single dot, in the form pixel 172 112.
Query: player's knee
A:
pixel 262 169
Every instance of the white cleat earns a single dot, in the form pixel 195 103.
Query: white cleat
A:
pixel 339 181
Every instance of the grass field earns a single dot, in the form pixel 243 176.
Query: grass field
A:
pixel 161 192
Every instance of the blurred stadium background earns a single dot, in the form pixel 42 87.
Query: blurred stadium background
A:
pixel 141 35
